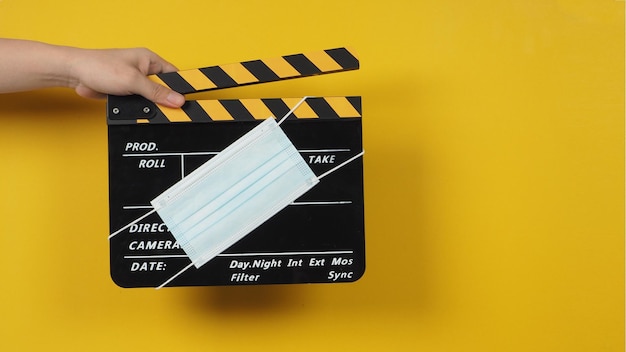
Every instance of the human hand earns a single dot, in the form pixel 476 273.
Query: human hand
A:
pixel 93 73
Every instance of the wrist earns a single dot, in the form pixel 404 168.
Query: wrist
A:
pixel 64 71
pixel 50 64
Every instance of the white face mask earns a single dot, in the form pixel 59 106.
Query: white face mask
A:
pixel 235 192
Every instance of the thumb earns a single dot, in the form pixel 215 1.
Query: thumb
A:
pixel 160 94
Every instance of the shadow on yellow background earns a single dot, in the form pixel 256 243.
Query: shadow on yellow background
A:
pixel 494 180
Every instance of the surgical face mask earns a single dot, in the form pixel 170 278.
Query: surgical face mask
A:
pixel 235 192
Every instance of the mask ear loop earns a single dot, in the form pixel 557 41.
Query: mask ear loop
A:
pixel 132 223
pixel 336 167
pixel 293 109
pixel 174 276
pixel 341 165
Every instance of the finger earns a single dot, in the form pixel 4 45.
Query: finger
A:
pixel 159 94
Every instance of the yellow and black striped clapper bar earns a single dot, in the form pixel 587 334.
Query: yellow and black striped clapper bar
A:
pixel 122 109
pixel 317 239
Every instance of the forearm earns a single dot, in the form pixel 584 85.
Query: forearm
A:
pixel 26 65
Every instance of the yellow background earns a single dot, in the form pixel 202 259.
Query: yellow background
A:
pixel 494 172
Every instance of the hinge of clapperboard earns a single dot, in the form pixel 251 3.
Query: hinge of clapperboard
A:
pixel 121 110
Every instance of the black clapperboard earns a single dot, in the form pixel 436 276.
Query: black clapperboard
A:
pixel 319 238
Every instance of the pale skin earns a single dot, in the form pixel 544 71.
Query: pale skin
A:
pixel 92 73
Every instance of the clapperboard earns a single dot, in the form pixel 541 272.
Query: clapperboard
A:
pixel 319 238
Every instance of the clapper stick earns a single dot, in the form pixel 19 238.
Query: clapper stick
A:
pixel 228 76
